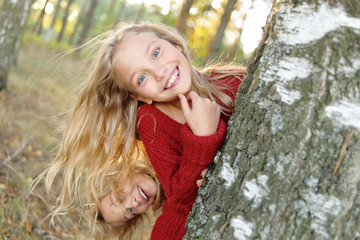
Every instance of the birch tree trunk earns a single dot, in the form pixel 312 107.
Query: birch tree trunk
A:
pixel 290 166
pixel 13 16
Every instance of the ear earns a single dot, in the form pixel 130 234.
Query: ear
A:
pixel 140 98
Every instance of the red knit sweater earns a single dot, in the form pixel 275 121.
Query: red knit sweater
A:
pixel 178 157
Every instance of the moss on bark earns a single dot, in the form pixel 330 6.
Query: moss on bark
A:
pixel 274 176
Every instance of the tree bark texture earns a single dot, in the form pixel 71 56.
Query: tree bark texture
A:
pixel 290 165
pixel 13 16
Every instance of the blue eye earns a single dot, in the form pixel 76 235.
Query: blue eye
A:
pixel 156 53
pixel 142 79
pixel 132 211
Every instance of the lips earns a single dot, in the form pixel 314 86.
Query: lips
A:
pixel 143 194
pixel 172 79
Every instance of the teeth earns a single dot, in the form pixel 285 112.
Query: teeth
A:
pixel 143 194
pixel 172 79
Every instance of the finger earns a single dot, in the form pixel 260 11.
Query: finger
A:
pixel 203 182
pixel 203 172
pixel 184 103
pixel 192 95
pixel 199 183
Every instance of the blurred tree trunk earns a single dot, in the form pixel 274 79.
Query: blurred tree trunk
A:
pixel 120 12
pixel 50 31
pixel 38 25
pixel 13 16
pixel 234 47
pixel 236 44
pixel 140 13
pixel 79 21
pixel 215 45
pixel 290 165
pixel 87 21
pixel 64 21
pixel 110 11
pixel 181 23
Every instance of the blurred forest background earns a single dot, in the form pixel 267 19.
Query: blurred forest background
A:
pixel 42 82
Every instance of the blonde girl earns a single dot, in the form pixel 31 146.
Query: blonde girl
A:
pixel 183 117
pixel 149 65
pixel 129 200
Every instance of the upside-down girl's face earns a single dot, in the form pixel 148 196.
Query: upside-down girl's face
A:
pixel 138 193
pixel 152 68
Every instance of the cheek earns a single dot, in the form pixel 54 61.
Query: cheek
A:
pixel 144 208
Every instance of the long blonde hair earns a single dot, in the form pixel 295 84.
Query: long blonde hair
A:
pixel 112 178
pixel 104 109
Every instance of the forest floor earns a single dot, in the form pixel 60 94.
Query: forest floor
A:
pixel 41 88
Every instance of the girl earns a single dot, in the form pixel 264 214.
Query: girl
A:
pixel 179 121
pixel 182 122
pixel 130 199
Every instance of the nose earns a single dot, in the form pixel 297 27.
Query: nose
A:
pixel 159 72
pixel 131 202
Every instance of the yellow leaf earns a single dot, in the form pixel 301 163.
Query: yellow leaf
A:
pixel 28 226
pixel 39 153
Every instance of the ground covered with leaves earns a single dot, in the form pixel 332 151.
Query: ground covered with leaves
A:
pixel 41 89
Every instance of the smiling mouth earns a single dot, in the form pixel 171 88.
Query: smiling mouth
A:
pixel 173 78
pixel 143 194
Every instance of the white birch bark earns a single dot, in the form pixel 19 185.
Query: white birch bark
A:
pixel 297 117
pixel 13 16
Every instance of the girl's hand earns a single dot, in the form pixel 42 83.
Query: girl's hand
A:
pixel 202 115
pixel 201 182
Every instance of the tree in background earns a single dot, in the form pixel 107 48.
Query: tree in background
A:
pixel 236 46
pixel 110 10
pixel 184 14
pixel 215 45
pixel 13 16
pixel 90 18
pixel 140 13
pixel 65 20
pixel 50 30
pixel 290 165
pixel 79 21
pixel 38 25
pixel 87 21
pixel 120 13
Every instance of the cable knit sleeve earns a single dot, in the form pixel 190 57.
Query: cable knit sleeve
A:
pixel 177 155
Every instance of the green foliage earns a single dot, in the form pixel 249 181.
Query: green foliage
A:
pixel 202 24
pixel 30 37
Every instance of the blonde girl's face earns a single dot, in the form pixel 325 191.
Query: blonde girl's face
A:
pixel 137 195
pixel 152 68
